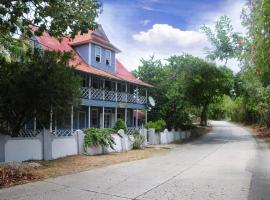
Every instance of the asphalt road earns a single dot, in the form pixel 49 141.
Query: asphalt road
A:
pixel 227 163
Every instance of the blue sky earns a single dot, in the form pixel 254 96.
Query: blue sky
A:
pixel 141 28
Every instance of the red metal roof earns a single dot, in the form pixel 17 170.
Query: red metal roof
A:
pixel 65 45
pixel 141 114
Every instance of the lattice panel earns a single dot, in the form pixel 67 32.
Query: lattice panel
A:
pixel 110 95
pixel 141 99
pixel 96 94
pixel 63 132
pixel 132 98
pixel 130 130
pixel 85 92
pixel 29 133
pixel 121 96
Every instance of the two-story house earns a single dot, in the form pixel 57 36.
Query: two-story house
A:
pixel 108 91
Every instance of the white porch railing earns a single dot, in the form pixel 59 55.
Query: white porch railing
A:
pixel 108 95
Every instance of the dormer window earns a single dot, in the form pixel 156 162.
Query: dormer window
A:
pixel 108 57
pixel 98 54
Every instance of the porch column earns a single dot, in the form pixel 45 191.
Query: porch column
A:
pixel 126 105
pixel 126 115
pixel 103 109
pixel 89 107
pixel 137 116
pixel 89 116
pixel 78 119
pixel 89 85
pixel 71 119
pixel 146 96
pixel 35 124
pixel 115 116
pixel 137 94
pixel 103 89
pixel 51 120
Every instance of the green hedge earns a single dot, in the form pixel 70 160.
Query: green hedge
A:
pixel 158 125
pixel 98 137
pixel 120 124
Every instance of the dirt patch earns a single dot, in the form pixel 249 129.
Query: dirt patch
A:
pixel 17 173
pixel 69 165
pixel 73 164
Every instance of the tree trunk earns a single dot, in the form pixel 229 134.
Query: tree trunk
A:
pixel 204 115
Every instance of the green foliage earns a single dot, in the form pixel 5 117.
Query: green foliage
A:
pixel 98 137
pixel 158 125
pixel 184 86
pixel 31 88
pixel 205 83
pixel 138 140
pixel 58 18
pixel 120 124
pixel 225 42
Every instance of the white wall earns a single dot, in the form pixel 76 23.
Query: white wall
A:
pixel 64 146
pixel 22 149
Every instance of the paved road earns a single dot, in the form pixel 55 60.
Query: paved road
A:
pixel 228 163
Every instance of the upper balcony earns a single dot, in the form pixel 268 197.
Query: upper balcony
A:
pixel 113 96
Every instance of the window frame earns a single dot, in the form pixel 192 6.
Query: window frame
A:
pixel 110 57
pixel 98 47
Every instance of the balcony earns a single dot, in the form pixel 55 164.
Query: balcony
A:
pixel 107 95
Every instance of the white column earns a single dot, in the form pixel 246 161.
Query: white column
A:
pixel 71 119
pixel 126 93
pixel 103 121
pixel 146 96
pixel 89 116
pixel 35 124
pixel 137 116
pixel 51 120
pixel 126 115
pixel 103 89
pixel 126 105
pixel 137 93
pixel 89 107
pixel 115 116
pixel 89 85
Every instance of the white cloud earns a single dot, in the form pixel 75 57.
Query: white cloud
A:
pixel 166 37
pixel 163 40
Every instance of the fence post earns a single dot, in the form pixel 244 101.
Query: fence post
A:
pixel 47 145
pixel 2 148
pixel 80 141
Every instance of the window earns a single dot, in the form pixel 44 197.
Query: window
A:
pixel 98 54
pixel 108 57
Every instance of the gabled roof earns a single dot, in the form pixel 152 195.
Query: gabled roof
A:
pixel 121 73
pixel 98 37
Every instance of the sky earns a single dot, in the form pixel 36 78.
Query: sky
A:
pixel 143 28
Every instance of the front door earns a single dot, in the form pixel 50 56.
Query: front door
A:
pixel 94 118
pixel 82 120
pixel 108 118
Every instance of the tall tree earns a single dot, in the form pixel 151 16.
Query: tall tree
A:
pixel 31 89
pixel 205 83
pixel 225 42
pixel 57 17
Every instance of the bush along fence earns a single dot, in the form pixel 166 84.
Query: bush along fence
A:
pixel 45 145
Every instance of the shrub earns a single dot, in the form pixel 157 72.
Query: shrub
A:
pixel 158 125
pixel 98 137
pixel 120 124
pixel 138 140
